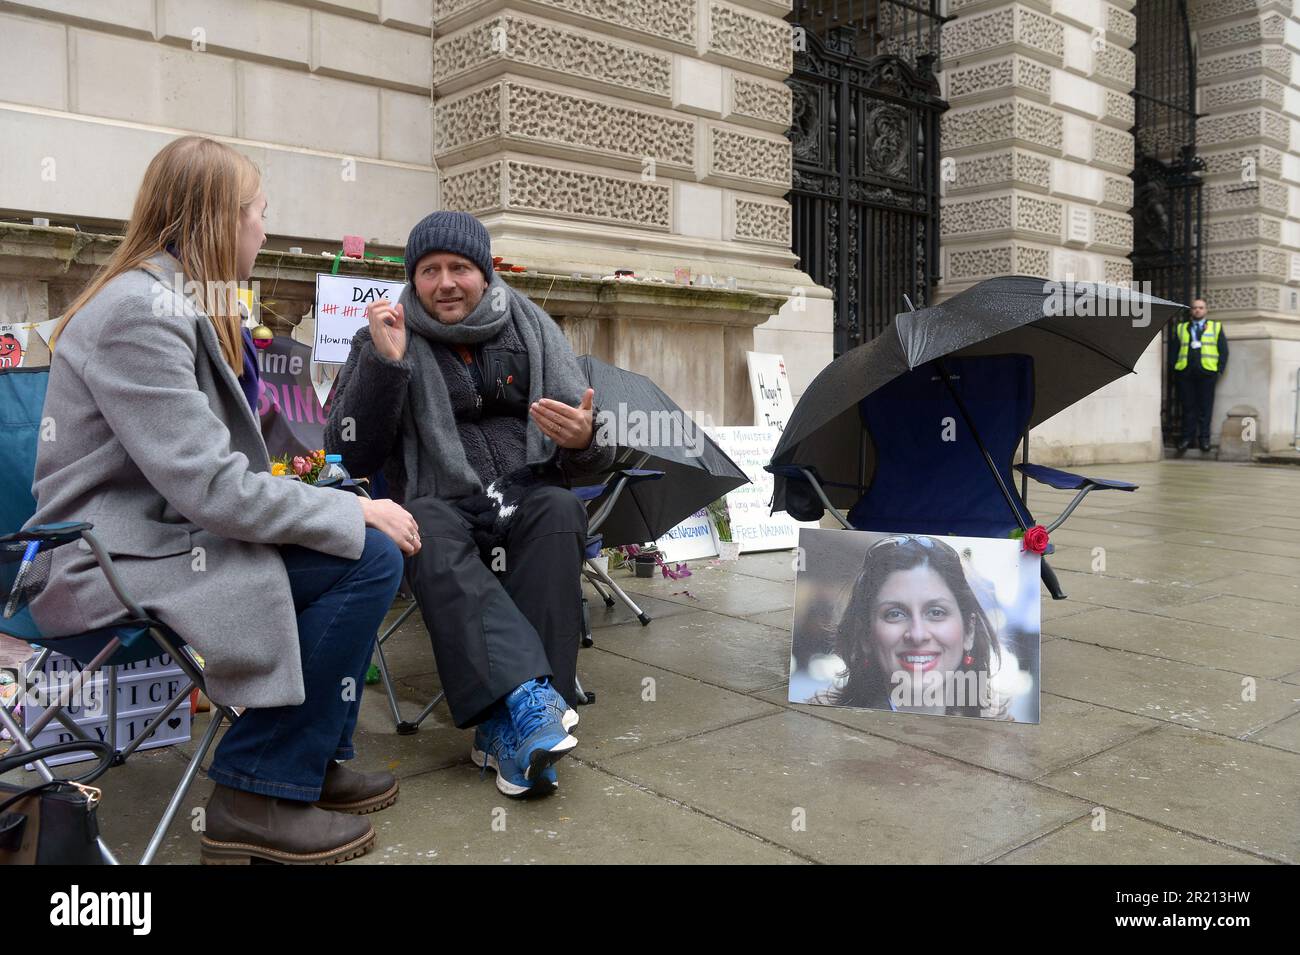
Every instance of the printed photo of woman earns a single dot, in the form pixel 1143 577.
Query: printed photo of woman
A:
pixel 915 630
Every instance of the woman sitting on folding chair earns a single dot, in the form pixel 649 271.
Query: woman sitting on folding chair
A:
pixel 911 631
pixel 280 586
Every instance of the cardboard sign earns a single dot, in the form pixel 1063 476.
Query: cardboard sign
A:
pixel 770 386
pixel 690 540
pixel 753 525
pixel 341 302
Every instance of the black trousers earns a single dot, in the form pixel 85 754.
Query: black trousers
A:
pixel 505 615
pixel 1196 395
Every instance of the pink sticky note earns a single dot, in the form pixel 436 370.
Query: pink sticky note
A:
pixel 354 246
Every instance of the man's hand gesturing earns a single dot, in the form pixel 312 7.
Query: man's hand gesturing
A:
pixel 387 328
pixel 568 427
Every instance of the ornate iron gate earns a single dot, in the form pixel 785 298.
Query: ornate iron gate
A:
pixel 1166 180
pixel 866 156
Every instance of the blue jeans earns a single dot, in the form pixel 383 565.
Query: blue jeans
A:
pixel 284 750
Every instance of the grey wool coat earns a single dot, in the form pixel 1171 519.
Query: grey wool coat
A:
pixel 154 443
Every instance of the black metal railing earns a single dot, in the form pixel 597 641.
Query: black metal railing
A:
pixel 908 30
pixel 865 137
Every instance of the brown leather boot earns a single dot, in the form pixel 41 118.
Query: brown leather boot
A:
pixel 242 826
pixel 360 793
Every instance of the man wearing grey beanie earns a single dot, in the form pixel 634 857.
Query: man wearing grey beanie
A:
pixel 470 400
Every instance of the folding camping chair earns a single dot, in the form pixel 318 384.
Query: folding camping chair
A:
pixel 604 497
pixel 135 638
pixel 923 484
pixel 607 493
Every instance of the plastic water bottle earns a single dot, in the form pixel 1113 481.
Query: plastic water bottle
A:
pixel 333 473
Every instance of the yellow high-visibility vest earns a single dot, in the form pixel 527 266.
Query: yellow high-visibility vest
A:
pixel 1209 345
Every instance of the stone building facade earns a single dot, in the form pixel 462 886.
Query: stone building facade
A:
pixel 587 136
pixel 1039 145
pixel 591 135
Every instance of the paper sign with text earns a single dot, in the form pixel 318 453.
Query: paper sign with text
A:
pixel 341 302
pixel 770 386
pixel 690 540
pixel 752 523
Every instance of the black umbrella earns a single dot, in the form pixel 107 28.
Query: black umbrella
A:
pixel 652 432
pixel 1080 335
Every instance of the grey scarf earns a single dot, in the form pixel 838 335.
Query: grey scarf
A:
pixel 435 461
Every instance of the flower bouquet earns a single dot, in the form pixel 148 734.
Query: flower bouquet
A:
pixel 300 467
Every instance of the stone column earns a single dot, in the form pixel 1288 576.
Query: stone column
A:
pixel 1035 175
pixel 1249 89
pixel 590 136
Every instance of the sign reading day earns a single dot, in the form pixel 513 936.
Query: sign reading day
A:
pixel 341 302
pixel 750 505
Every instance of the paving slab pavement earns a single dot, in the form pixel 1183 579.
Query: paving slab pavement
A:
pixel 1171 708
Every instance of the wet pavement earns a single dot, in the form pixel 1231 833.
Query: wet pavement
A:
pixel 1170 719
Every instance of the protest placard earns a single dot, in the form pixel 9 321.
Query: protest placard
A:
pixel 341 302
pixel 770 386
pixel 690 540
pixel 859 639
pixel 753 525
pixel 288 402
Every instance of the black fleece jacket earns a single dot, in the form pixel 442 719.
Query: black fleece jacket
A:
pixel 488 399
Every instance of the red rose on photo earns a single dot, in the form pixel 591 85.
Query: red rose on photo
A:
pixel 1035 539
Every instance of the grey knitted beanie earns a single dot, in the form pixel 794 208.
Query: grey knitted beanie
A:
pixel 457 232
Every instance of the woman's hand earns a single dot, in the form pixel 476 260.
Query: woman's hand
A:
pixel 394 520
pixel 387 328
pixel 568 427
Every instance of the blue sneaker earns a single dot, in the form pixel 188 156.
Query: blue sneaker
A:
pixel 561 710
pixel 494 748
pixel 533 708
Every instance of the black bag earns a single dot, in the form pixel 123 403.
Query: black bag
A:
pixel 52 823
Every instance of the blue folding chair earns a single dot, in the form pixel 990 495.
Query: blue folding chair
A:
pixel 961 487
pixel 100 652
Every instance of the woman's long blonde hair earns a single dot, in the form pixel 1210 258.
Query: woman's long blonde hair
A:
pixel 191 199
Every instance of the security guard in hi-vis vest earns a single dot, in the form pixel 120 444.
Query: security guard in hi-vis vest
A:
pixel 1202 358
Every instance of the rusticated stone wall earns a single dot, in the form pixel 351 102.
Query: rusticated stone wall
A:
pixel 1037 153
pixel 1249 86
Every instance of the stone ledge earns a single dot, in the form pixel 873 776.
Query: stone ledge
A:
pixel 55 252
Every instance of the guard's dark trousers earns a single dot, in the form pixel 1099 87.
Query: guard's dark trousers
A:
pixel 499 618
pixel 1196 394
